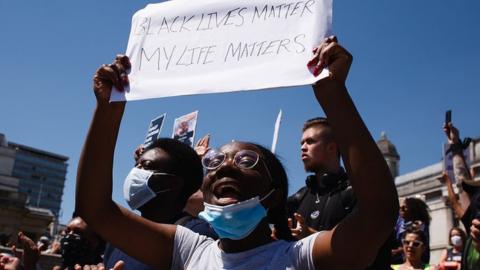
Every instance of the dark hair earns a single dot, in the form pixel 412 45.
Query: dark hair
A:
pixel 420 233
pixel 100 245
pixel 463 235
pixel 186 164
pixel 277 215
pixel 417 210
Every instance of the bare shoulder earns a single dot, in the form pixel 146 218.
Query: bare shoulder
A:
pixel 322 251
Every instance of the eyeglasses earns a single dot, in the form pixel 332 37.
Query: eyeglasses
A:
pixel 243 159
pixel 414 243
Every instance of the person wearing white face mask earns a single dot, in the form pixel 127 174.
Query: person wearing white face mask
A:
pixel 158 187
pixel 451 258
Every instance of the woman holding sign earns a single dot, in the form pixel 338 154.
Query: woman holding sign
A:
pixel 244 189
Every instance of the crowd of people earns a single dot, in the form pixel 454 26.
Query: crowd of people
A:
pixel 228 208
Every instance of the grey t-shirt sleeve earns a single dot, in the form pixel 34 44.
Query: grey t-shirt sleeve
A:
pixel 184 245
pixel 302 250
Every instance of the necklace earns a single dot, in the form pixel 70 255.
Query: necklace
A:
pixel 318 199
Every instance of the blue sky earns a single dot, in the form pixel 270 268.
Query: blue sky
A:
pixel 412 61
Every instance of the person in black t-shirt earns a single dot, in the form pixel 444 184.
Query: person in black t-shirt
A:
pixel 327 197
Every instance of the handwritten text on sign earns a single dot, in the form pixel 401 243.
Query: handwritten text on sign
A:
pixel 210 46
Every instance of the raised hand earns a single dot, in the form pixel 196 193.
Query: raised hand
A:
pixel 453 135
pixel 475 233
pixel 118 266
pixel 301 230
pixel 9 262
pixel 99 266
pixel 138 152
pixel 115 74
pixel 31 252
pixel 444 178
pixel 330 54
pixel 201 147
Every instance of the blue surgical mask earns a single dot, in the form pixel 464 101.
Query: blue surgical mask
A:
pixel 235 221
pixel 136 190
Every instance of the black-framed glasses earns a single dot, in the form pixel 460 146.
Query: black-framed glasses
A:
pixel 243 159
pixel 413 243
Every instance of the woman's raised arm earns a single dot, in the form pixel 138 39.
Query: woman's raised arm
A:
pixel 149 242
pixel 353 243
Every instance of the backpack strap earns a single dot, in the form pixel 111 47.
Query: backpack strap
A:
pixel 294 201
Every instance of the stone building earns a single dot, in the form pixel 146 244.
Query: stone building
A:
pixel 390 154
pixel 423 183
pixel 26 211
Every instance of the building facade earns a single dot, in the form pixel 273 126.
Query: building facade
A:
pixel 31 189
pixel 41 176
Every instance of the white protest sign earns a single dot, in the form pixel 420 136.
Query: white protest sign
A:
pixel 211 46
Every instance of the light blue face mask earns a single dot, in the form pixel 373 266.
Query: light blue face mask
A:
pixel 235 221
pixel 136 190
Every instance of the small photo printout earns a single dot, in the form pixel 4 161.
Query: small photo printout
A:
pixel 154 130
pixel 184 128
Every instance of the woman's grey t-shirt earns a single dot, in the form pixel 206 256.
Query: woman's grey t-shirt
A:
pixel 194 251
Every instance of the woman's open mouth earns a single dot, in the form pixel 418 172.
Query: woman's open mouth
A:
pixel 226 192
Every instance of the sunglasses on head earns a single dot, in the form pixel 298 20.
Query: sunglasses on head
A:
pixel 414 243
